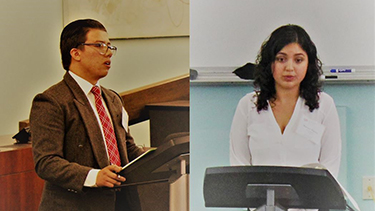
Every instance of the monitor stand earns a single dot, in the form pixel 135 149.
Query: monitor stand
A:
pixel 271 190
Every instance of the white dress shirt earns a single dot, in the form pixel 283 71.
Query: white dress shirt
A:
pixel 309 137
pixel 86 88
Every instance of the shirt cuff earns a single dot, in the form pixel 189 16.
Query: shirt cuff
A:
pixel 91 178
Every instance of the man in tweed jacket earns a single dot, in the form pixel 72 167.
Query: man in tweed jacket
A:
pixel 69 148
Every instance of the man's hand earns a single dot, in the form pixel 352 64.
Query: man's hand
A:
pixel 108 177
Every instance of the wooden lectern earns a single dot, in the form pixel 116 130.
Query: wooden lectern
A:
pixel 272 188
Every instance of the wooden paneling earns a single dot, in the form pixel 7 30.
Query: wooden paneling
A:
pixel 16 159
pixel 165 91
pixel 20 187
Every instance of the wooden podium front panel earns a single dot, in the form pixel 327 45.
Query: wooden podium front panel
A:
pixel 20 187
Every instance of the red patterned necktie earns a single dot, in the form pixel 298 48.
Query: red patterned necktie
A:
pixel 109 133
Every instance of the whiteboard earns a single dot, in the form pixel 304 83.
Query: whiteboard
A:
pixel 227 33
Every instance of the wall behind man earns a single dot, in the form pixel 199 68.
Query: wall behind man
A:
pixel 30 58
pixel 29 55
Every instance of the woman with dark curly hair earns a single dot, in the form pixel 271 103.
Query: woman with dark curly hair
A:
pixel 287 120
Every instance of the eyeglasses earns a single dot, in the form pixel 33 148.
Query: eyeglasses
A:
pixel 102 47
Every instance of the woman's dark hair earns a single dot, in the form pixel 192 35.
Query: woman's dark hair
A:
pixel 73 35
pixel 263 77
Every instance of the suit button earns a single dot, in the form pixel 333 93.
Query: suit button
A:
pixel 80 146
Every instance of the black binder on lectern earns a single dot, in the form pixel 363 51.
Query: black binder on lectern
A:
pixel 154 166
pixel 293 187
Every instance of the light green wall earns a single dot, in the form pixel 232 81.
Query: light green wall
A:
pixel 211 114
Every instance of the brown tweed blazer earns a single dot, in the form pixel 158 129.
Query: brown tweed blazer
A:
pixel 67 144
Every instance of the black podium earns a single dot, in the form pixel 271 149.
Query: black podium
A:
pixel 272 188
pixel 168 163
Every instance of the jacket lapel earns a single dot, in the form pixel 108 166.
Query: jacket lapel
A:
pixel 89 120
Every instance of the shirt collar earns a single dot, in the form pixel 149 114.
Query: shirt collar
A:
pixel 85 85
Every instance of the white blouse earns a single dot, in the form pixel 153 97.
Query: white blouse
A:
pixel 309 137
